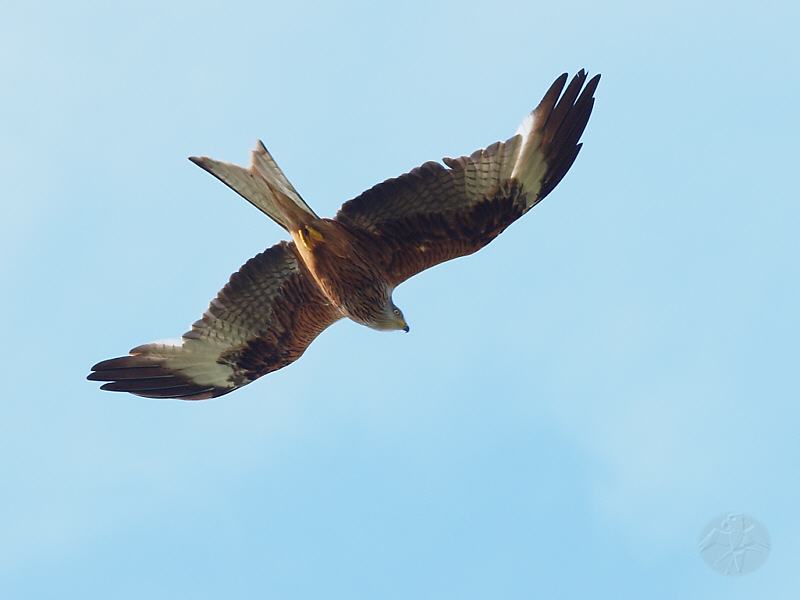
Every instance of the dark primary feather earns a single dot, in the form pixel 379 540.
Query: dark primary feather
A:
pixel 434 213
pixel 148 376
pixel 272 309
pixel 564 127
pixel 262 320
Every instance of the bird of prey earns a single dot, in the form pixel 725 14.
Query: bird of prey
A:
pixel 280 300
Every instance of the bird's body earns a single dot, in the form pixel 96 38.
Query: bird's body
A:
pixel 339 259
pixel 348 266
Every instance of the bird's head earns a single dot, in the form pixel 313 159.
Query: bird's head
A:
pixel 390 319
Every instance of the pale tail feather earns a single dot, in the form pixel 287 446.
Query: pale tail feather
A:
pixel 263 185
pixel 263 164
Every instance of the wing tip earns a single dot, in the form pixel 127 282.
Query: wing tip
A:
pixel 554 129
pixel 149 377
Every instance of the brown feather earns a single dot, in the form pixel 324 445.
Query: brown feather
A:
pixel 434 213
pixel 299 313
pixel 279 301
pixel 261 321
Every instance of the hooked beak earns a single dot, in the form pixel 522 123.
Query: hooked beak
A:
pixel 402 323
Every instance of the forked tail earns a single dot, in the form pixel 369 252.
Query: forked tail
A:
pixel 263 185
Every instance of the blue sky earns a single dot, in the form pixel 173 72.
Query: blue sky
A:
pixel 573 404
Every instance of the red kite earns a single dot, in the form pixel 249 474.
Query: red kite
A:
pixel 348 266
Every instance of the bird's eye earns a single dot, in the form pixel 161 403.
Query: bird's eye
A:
pixel 397 311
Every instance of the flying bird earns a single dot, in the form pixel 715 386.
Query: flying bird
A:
pixel 279 301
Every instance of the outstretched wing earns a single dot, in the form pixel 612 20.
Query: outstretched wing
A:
pixel 436 213
pixel 263 319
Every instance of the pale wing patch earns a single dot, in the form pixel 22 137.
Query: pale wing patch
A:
pixel 196 359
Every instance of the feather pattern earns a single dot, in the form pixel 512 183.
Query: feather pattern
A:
pixel 263 185
pixel 280 300
pixel 262 320
pixel 434 214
